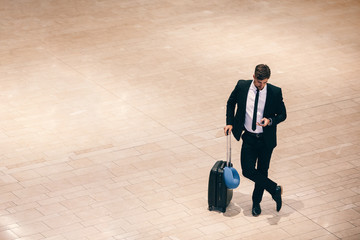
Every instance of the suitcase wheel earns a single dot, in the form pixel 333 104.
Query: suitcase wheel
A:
pixel 211 208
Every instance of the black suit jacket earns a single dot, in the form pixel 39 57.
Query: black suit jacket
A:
pixel 274 109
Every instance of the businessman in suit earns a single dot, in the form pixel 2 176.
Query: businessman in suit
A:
pixel 259 109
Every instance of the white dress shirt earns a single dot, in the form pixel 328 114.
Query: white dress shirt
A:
pixel 250 108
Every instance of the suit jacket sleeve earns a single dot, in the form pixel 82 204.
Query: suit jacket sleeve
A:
pixel 230 106
pixel 280 111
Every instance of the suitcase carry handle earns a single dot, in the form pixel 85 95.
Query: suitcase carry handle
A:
pixel 228 149
pixel 231 176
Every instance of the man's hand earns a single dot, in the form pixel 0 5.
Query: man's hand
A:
pixel 227 129
pixel 264 122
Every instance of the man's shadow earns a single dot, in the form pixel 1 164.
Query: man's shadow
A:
pixel 242 203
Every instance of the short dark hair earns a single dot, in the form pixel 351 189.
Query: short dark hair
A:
pixel 262 71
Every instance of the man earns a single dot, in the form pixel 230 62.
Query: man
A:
pixel 260 108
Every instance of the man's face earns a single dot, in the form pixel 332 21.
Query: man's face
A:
pixel 260 84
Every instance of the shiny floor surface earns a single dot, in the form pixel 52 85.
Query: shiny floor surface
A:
pixel 112 113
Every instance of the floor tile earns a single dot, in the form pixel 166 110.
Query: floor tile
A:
pixel 113 113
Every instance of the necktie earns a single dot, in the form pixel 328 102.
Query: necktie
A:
pixel 255 110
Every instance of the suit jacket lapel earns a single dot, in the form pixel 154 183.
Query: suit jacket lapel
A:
pixel 245 93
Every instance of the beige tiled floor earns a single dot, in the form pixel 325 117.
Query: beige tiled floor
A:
pixel 112 111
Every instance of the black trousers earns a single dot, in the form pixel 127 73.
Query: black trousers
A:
pixel 255 162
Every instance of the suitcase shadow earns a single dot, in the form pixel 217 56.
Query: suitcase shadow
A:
pixel 232 210
pixel 236 205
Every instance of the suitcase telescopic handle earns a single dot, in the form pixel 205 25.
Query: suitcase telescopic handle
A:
pixel 228 148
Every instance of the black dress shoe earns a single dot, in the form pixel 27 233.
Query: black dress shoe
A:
pixel 256 210
pixel 277 197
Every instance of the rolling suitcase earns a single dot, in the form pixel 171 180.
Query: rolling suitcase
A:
pixel 219 196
